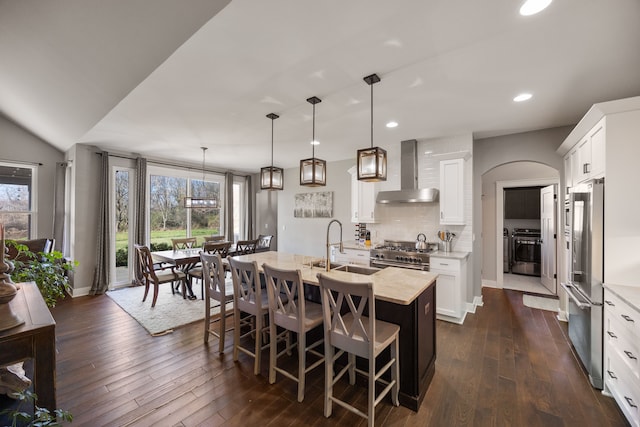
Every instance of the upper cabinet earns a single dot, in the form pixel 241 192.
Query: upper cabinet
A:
pixel 363 199
pixel 586 159
pixel 452 192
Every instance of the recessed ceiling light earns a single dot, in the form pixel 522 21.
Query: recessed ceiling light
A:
pixel 392 124
pixel 522 97
pixel 531 7
pixel 315 142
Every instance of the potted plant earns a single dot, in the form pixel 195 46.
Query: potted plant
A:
pixel 48 270
pixel 40 417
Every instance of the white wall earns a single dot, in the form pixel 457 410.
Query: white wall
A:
pixel 18 145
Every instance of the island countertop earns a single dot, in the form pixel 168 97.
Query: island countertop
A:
pixel 392 284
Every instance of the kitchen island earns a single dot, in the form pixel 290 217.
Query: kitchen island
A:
pixel 404 297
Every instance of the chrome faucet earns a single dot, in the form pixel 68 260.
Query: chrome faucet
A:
pixel 341 248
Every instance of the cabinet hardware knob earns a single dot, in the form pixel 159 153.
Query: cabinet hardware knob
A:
pixel 612 375
pixel 627 318
pixel 630 402
pixel 630 355
pixel 609 303
pixel 611 334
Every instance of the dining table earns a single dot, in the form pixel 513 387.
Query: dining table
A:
pixel 185 260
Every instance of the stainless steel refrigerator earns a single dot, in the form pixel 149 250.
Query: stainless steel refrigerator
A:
pixel 584 288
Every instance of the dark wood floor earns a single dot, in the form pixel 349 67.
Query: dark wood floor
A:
pixel 508 365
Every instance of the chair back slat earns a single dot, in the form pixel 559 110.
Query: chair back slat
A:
pixel 344 305
pixel 246 284
pixel 213 276
pixel 244 247
pixel 145 262
pixel 214 247
pixel 264 243
pixel 184 243
pixel 286 297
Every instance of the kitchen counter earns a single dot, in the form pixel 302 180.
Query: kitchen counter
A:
pixel 630 294
pixel 404 297
pixel 452 254
pixel 354 244
pixel 395 285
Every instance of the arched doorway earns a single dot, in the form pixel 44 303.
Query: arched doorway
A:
pixel 494 182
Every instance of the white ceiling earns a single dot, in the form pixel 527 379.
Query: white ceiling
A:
pixel 162 78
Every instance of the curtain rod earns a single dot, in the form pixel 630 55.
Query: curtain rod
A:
pixel 159 162
pixel 21 162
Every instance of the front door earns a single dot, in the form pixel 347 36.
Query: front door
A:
pixel 548 199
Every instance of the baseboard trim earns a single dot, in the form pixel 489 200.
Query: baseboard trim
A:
pixel 490 284
pixel 562 316
pixel 80 292
pixel 477 302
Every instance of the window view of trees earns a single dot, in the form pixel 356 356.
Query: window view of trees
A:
pixel 15 201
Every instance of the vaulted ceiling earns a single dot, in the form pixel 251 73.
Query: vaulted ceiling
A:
pixel 162 78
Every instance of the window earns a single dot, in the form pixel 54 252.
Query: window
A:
pixel 122 217
pixel 168 218
pixel 18 200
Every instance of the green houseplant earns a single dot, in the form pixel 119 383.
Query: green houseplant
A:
pixel 48 270
pixel 40 417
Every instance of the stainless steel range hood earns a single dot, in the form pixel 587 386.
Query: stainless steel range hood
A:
pixel 409 191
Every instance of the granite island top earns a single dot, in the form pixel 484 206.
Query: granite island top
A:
pixel 396 285
pixel 630 294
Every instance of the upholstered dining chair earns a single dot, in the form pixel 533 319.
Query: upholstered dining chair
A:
pixel 157 276
pixel 184 243
pixel 219 289
pixel 289 309
pixel 349 331
pixel 221 248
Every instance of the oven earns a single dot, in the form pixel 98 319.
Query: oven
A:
pixel 402 254
pixel 526 247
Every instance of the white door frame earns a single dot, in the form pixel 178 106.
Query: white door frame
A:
pixel 500 186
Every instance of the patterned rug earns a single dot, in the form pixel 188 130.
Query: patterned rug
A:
pixel 541 303
pixel 171 310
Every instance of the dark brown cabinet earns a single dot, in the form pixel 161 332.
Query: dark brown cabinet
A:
pixel 522 203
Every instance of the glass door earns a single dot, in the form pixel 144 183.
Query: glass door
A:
pixel 121 221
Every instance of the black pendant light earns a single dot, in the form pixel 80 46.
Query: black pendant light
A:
pixel 372 162
pixel 271 178
pixel 201 202
pixel 313 172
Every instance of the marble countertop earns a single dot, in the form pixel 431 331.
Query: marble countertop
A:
pixel 396 285
pixel 631 294
pixel 452 254
pixel 354 244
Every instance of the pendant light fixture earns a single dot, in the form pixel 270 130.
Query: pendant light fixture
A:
pixel 201 202
pixel 372 162
pixel 313 172
pixel 271 178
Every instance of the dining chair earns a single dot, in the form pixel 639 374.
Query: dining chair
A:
pixel 349 331
pixel 184 243
pixel 264 243
pixel 288 309
pixel 216 288
pixel 248 298
pixel 244 247
pixel 221 248
pixel 214 238
pixel 157 276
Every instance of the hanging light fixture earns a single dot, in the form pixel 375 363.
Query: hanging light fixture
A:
pixel 201 202
pixel 372 162
pixel 313 172
pixel 271 178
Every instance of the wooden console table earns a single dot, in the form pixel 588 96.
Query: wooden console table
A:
pixel 35 339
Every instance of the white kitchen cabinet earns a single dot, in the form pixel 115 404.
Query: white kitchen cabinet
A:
pixel 587 159
pixel 452 192
pixel 621 366
pixel 451 281
pixel 363 199
pixel 350 256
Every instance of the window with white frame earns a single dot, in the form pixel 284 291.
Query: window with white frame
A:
pixel 18 204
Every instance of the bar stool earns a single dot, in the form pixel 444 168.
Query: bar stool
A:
pixel 219 289
pixel 357 335
pixel 289 310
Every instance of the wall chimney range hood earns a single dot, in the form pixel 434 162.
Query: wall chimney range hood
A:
pixel 408 193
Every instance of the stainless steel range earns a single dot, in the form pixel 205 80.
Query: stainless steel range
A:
pixel 397 253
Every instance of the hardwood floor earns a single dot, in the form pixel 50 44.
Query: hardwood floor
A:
pixel 508 365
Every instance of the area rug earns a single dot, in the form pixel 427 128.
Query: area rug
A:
pixel 171 310
pixel 541 303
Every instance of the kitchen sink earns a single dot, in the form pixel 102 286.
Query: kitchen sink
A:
pixel 321 264
pixel 358 269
